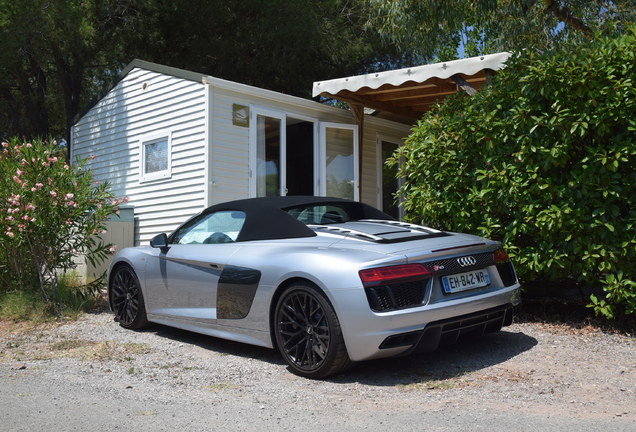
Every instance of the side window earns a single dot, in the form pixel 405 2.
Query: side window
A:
pixel 155 156
pixel 213 228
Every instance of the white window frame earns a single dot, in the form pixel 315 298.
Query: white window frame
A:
pixel 150 139
pixel 255 111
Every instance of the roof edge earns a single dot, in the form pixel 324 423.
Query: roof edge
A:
pixel 467 66
pixel 159 68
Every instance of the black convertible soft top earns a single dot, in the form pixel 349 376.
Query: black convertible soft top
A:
pixel 267 218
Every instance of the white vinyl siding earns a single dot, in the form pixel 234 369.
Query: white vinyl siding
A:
pixel 113 131
pixel 209 160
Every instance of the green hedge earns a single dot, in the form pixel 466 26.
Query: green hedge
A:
pixel 544 161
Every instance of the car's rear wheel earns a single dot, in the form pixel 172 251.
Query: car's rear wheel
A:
pixel 126 298
pixel 308 333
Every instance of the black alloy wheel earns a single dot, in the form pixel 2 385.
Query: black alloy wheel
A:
pixel 308 333
pixel 126 298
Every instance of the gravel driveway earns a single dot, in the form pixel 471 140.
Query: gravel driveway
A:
pixel 93 375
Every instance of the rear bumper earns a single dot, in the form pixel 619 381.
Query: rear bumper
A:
pixel 370 335
pixel 451 330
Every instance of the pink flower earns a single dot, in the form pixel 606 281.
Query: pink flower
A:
pixel 52 159
pixel 9 233
pixel 9 218
pixel 17 180
pixel 69 196
pixel 112 248
pixel 53 194
pixel 18 172
pixel 30 207
pixel 4 144
pixel 28 145
pixel 39 185
pixel 91 157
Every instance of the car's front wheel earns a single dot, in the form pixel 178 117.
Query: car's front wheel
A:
pixel 308 333
pixel 126 298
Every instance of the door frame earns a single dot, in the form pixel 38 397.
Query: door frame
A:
pixel 379 139
pixel 256 110
pixel 323 156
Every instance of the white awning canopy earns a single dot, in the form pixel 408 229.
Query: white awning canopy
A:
pixel 410 92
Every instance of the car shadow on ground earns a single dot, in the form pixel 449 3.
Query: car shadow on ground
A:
pixel 444 364
pixel 217 345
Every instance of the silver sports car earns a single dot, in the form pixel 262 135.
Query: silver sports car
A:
pixel 328 282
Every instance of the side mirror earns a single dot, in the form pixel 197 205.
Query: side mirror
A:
pixel 159 241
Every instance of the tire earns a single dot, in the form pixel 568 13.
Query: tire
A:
pixel 308 333
pixel 126 299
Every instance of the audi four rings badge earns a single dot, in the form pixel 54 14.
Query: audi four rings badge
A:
pixel 466 261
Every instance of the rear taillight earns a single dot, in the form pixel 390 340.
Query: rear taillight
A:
pixel 500 256
pixel 379 275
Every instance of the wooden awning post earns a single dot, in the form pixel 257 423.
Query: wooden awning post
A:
pixel 358 113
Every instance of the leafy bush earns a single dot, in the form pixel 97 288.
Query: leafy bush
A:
pixel 52 212
pixel 542 160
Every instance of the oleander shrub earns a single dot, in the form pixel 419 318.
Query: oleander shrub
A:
pixel 542 160
pixel 51 212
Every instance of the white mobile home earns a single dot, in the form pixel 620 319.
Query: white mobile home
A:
pixel 175 142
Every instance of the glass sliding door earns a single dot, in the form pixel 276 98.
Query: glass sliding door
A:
pixel 282 154
pixel 268 168
pixel 340 160
pixel 301 158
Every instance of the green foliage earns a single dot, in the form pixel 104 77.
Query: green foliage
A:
pixel 438 30
pixel 542 160
pixel 55 54
pixel 281 45
pixel 51 213
pixel 58 55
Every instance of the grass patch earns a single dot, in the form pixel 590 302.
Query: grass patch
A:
pixel 429 385
pixel 73 299
pixel 24 306
pixel 71 348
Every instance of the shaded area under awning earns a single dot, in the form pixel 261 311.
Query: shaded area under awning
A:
pixel 410 92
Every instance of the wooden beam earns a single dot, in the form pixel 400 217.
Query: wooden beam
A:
pixel 464 85
pixel 351 98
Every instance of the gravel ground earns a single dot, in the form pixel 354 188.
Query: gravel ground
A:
pixel 92 374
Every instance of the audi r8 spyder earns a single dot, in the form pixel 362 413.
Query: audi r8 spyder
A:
pixel 328 282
